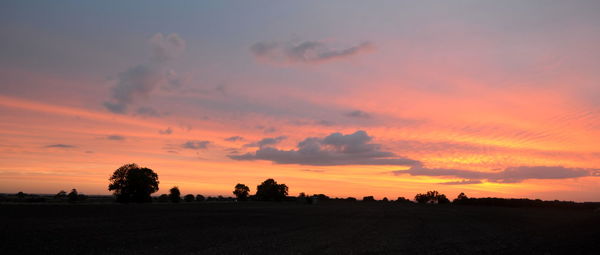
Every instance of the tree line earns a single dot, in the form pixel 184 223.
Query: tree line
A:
pixel 131 183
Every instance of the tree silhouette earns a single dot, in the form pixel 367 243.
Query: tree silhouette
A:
pixel 61 195
pixel 461 198
pixel 442 199
pixel 432 197
pixel 131 183
pixel 402 200
pixel 200 198
pixel 269 190
pixel 73 195
pixel 175 195
pixel 163 198
pixel 241 192
pixel 368 199
pixel 188 198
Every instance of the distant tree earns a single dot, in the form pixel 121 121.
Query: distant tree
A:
pixel 82 197
pixel 385 199
pixel 163 198
pixel 61 195
pixel 200 198
pixel 241 192
pixel 269 190
pixel 432 197
pixel 460 198
pixel 442 199
pixel 368 199
pixel 175 195
pixel 321 197
pixel 21 195
pixel 188 198
pixel 131 183
pixel 402 200
pixel 351 199
pixel 73 196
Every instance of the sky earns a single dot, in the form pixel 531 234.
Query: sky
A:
pixel 345 98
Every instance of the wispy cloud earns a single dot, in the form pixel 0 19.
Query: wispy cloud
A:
pixel 115 137
pixel 60 145
pixel 266 141
pixel 305 51
pixel 195 145
pixel 234 138
pixel 358 114
pixel 167 131
pixel 140 81
pixel 508 175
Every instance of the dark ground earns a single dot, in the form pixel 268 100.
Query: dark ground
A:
pixel 291 228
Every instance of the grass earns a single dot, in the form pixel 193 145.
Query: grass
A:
pixel 292 228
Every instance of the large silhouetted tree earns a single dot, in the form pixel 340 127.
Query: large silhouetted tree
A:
pixel 132 183
pixel 269 190
pixel 241 192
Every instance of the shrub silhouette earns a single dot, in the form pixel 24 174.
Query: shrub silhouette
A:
pixel 200 198
pixel 269 190
pixel 368 199
pixel 163 198
pixel 73 196
pixel 21 195
pixel 432 197
pixel 175 195
pixel 241 192
pixel 61 195
pixel 352 199
pixel 321 197
pixel 442 199
pixel 131 183
pixel 460 198
pixel 188 198
pixel 402 200
pixel 385 199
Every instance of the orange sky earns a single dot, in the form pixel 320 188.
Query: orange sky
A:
pixel 459 99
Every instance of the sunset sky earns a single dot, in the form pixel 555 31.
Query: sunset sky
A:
pixel 346 98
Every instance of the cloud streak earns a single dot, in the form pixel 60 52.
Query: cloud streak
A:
pixel 334 149
pixel 508 175
pixel 167 131
pixel 195 145
pixel 308 52
pixel 358 114
pixel 115 137
pixel 60 145
pixel 234 138
pixel 266 142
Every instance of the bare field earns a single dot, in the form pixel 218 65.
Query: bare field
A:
pixel 291 228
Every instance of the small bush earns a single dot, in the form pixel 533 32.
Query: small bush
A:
pixel 368 199
pixel 163 198
pixel 188 198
